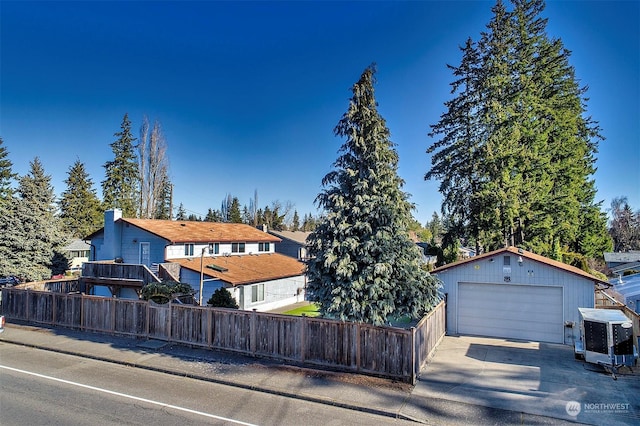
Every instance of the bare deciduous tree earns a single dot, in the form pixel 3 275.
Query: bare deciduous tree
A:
pixel 154 168
pixel 624 226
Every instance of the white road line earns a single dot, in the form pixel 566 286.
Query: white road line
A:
pixel 124 395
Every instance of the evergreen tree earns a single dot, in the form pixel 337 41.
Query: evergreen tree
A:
pixel 456 163
pixel 9 221
pixel 80 209
pixel 6 174
pixel 259 217
pixel 182 213
pixel 235 216
pixel 278 215
pixel 267 217
pixel 561 143
pixel 121 187
pixel 35 241
pixel 309 223
pixel 247 216
pixel 363 266
pixel 295 223
pixel 213 216
pixel 516 152
pixel 11 238
pixel 498 162
pixel 436 228
pixel 593 239
pixel 163 203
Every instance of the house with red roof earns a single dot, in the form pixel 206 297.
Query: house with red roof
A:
pixel 205 255
pixel 516 294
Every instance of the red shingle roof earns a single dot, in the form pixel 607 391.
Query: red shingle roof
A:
pixel 245 269
pixel 176 231
pixel 527 255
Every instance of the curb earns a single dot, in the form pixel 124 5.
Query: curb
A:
pixel 272 391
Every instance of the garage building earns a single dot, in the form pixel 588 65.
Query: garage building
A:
pixel 512 293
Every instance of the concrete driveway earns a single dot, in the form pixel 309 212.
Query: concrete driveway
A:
pixel 529 377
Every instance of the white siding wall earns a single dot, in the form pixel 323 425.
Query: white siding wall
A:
pixel 578 292
pixel 277 293
pixel 176 251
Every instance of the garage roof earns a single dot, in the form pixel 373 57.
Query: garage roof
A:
pixel 527 255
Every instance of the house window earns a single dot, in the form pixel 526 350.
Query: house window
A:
pixel 507 261
pixel 188 249
pixel 263 246
pixel 237 247
pixel 257 293
pixel 214 248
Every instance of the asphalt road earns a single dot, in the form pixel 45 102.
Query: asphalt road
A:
pixel 40 387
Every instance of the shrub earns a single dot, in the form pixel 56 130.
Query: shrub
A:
pixel 221 298
pixel 164 291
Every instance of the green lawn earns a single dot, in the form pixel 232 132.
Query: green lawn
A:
pixel 311 310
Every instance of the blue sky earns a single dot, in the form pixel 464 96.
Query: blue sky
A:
pixel 248 93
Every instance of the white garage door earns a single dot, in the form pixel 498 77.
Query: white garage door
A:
pixel 511 311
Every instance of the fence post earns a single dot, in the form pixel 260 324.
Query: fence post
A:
pixel 26 305
pixel 170 321
pixel 303 332
pixel 53 309
pixel 253 332
pixel 147 313
pixel 209 323
pixel 358 344
pixel 113 315
pixel 82 299
pixel 415 360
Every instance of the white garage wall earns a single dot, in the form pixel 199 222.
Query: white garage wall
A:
pixel 578 292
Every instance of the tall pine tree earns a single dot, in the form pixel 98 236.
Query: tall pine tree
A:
pixel 80 209
pixel 181 213
pixel 455 161
pixel 363 266
pixel 535 147
pixel 8 220
pixel 121 186
pixel 35 243
pixel 295 222
pixel 6 174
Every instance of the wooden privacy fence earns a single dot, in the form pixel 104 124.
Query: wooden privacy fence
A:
pixel 381 351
